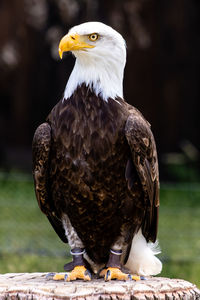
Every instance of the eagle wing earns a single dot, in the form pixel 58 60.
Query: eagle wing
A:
pixel 41 148
pixel 144 158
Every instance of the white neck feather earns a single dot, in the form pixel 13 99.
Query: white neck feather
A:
pixel 103 75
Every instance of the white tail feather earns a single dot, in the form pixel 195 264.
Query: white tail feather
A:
pixel 142 260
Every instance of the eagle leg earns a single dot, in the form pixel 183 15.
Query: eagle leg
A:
pixel 77 267
pixel 114 270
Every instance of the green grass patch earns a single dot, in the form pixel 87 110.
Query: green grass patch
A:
pixel 188 270
pixel 29 244
pixel 17 263
pixel 179 222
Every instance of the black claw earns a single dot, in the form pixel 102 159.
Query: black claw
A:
pixel 50 276
pixel 66 276
pixel 130 277
pixel 107 274
pixel 87 273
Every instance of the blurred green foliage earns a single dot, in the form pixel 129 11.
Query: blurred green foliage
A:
pixel 29 244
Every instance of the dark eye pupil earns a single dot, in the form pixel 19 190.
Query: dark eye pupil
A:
pixel 93 37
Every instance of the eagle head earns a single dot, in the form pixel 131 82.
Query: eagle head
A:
pixel 100 53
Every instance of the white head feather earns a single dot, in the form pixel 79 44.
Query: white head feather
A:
pixel 101 67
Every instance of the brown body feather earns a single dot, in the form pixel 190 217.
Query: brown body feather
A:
pixel 96 162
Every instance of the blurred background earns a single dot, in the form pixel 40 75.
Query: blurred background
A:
pixel 161 79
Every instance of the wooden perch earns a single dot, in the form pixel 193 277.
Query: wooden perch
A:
pixel 36 286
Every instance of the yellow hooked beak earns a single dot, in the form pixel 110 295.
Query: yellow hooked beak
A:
pixel 71 42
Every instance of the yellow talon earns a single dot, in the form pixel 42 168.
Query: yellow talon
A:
pixel 79 272
pixel 59 276
pixel 102 273
pixel 136 277
pixel 116 273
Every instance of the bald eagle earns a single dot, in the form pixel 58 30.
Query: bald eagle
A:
pixel 95 164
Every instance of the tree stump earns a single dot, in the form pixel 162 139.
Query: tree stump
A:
pixel 36 286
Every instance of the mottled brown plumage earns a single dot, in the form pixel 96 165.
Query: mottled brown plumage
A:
pixel 95 164
pixel 96 161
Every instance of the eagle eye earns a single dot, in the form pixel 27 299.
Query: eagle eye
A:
pixel 93 37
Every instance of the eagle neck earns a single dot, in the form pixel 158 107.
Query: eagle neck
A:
pixel 105 77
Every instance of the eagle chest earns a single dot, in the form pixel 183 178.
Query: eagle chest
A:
pixel 91 155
